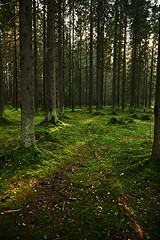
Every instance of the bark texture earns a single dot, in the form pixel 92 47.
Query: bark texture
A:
pixel 51 115
pixel 91 58
pixel 26 78
pixel 1 85
pixel 156 143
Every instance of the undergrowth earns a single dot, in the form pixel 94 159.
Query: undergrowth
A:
pixel 89 177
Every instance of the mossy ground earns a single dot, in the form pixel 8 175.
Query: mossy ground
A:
pixel 90 178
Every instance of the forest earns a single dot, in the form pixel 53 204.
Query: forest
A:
pixel 79 119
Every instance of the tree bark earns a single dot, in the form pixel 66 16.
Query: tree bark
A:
pixel 35 55
pixel 27 84
pixel 91 58
pixel 15 78
pixel 151 80
pixel 44 54
pixel 73 53
pixel 70 61
pixel 86 68
pixel 98 68
pixel 60 65
pixel 51 115
pixel 124 59
pixel 1 83
pixel 115 60
pixel 156 143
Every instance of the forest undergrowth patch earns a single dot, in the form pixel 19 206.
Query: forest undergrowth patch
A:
pixel 90 179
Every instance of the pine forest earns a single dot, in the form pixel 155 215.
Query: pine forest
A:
pixel 79 119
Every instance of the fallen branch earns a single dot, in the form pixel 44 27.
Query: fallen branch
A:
pixel 10 211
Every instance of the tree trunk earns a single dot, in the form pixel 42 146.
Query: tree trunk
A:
pixel 91 58
pixel 15 82
pixel 80 72
pixel 119 62
pixel 60 64
pixel 35 55
pixel 51 115
pixel 115 60
pixel 151 80
pixel 102 57
pixel 146 85
pixel 1 83
pixel 27 84
pixel 134 65
pixel 73 61
pixel 70 60
pixel 86 73
pixel 98 68
pixel 156 143
pixel 44 54
pixel 124 59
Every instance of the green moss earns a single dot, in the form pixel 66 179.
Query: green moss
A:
pixel 85 165
pixel 6 121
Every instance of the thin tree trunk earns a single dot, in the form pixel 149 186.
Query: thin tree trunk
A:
pixel 119 63
pixel 102 59
pixel 27 84
pixel 73 61
pixel 98 68
pixel 35 55
pixel 44 54
pixel 124 61
pixel 156 143
pixel 91 58
pixel 63 55
pixel 115 60
pixel 70 70
pixel 1 83
pixel 15 82
pixel 151 80
pixel 60 67
pixel 134 65
pixel 80 74
pixel 86 74
pixel 146 85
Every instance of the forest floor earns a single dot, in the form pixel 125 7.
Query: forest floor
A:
pixel 89 178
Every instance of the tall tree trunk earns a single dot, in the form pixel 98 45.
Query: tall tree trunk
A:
pixel 44 54
pixel 98 68
pixel 156 143
pixel 73 60
pixel 115 60
pixel 102 57
pixel 124 59
pixel 51 115
pixel 69 63
pixel 151 80
pixel 119 62
pixel 27 84
pixel 1 83
pixel 35 55
pixel 134 65
pixel 80 73
pixel 15 80
pixel 91 58
pixel 60 64
pixel 63 55
pixel 86 73
pixel 146 85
